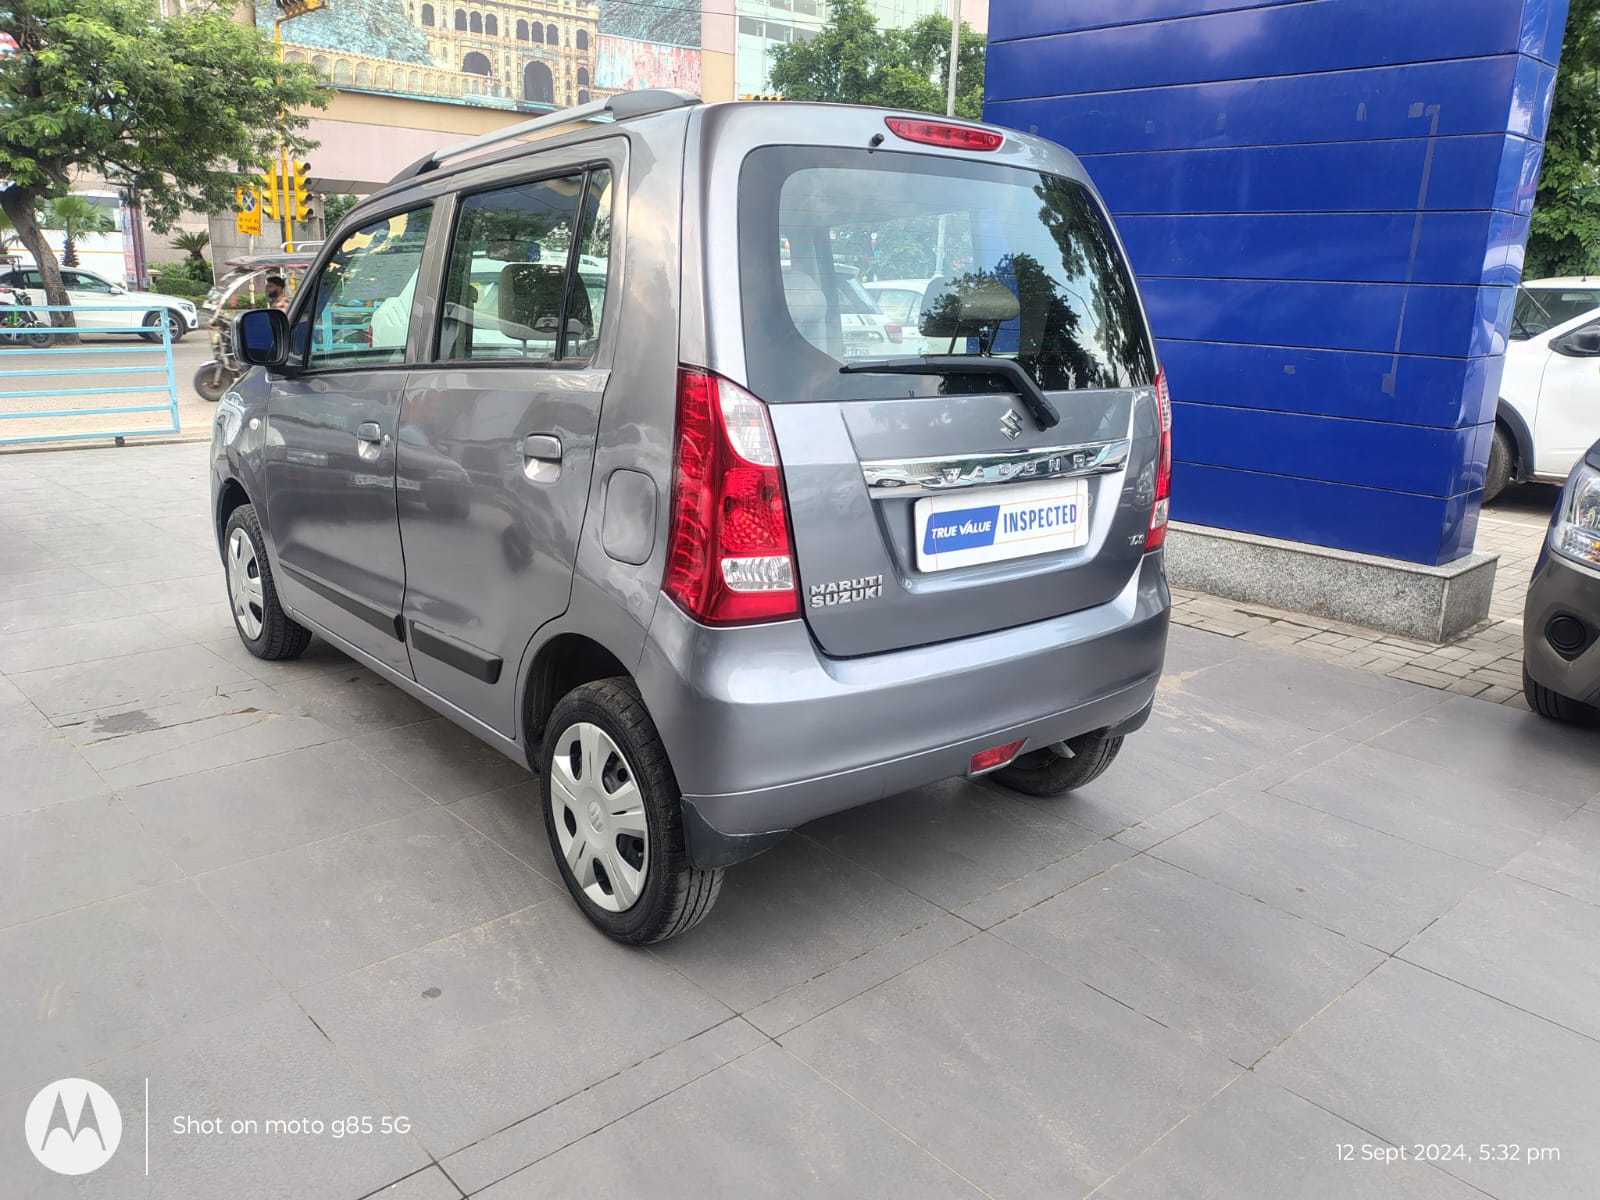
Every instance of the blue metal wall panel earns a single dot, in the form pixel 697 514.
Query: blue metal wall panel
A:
pixel 1443 392
pixel 1326 203
pixel 1284 39
pixel 1505 93
pixel 1432 319
pixel 1450 246
pixel 1332 449
pixel 1427 529
pixel 1476 172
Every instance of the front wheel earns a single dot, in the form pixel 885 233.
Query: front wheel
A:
pixel 1497 475
pixel 1049 773
pixel 264 628
pixel 614 816
pixel 1554 705
pixel 176 327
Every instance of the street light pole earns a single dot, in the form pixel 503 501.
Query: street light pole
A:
pixel 955 49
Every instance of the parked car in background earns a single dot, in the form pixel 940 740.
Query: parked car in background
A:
pixel 902 300
pixel 676 520
pixel 1549 408
pixel 1561 621
pixel 110 305
pixel 1542 304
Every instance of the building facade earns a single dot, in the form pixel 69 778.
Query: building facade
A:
pixel 765 24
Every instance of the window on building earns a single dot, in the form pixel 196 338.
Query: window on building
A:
pixel 522 31
pixel 538 85
pixel 583 76
pixel 538 32
pixel 552 35
pixel 583 95
pixel 581 39
pixel 475 24
pixel 491 26
pixel 461 20
pixel 475 64
pixel 427 14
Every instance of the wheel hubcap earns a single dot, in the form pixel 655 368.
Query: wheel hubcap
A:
pixel 599 818
pixel 244 584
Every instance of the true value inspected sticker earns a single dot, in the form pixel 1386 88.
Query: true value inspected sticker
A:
pixel 993 524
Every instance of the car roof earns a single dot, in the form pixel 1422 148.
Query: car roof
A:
pixel 1564 281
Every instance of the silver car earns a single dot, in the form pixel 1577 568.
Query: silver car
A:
pixel 566 436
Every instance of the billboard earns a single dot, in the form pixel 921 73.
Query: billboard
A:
pixel 521 56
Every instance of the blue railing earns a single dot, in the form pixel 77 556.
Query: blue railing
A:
pixel 14 351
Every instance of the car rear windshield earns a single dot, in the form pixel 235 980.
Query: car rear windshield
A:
pixel 1008 262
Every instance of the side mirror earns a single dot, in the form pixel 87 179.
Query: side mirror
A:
pixel 1580 343
pixel 118 291
pixel 261 337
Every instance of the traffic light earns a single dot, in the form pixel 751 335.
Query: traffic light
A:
pixel 299 191
pixel 270 210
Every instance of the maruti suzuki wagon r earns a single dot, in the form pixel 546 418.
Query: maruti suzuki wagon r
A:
pixel 574 435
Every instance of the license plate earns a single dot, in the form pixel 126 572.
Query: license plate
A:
pixel 994 524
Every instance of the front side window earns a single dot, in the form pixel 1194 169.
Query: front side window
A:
pixel 78 281
pixel 361 307
pixel 1541 309
pixel 993 260
pixel 510 290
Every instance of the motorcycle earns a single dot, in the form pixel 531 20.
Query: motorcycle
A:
pixel 246 277
pixel 19 326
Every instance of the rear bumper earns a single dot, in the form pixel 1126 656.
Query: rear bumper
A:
pixel 766 733
pixel 1563 587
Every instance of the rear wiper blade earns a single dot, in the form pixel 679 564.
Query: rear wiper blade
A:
pixel 1033 398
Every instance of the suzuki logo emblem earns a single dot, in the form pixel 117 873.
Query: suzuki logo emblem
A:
pixel 1011 424
pixel 73 1126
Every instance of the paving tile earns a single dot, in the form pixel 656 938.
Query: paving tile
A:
pixel 1367 885
pixel 526 1141
pixel 442 759
pixel 261 1064
pixel 332 906
pixel 320 658
pixel 147 679
pixel 355 702
pixel 209 587
pixel 47 581
pixel 1050 881
pixel 1256 1141
pixel 1499 745
pixel 1194 650
pixel 432 1184
pixel 951 843
pixel 479 1030
pixel 1566 859
pixel 1462 814
pixel 1413 1057
pixel 225 815
pixel 1021 1079
pixel 235 736
pixel 52 612
pixel 72 853
pixel 763 1117
pixel 513 819
pixel 42 767
pixel 84 985
pixel 1233 975
pixel 786 917
pixel 1523 944
pixel 208 621
pixel 1322 698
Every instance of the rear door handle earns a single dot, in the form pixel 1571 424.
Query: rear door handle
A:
pixel 541 457
pixel 368 431
pixel 370 441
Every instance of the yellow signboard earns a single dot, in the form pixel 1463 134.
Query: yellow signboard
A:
pixel 247 211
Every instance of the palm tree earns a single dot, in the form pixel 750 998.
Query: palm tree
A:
pixel 76 218
pixel 193 244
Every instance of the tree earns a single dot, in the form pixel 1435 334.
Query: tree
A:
pixel 193 244
pixel 8 235
pixel 334 208
pixel 179 109
pixel 852 61
pixel 1564 237
pixel 74 217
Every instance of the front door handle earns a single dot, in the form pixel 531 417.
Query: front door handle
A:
pixel 370 441
pixel 541 457
pixel 368 431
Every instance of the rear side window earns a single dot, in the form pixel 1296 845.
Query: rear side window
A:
pixel 989 259
pixel 522 257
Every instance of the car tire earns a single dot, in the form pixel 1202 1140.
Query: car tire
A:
pixel 1502 455
pixel 264 628
pixel 176 326
pixel 1554 705
pixel 1046 773
pixel 601 749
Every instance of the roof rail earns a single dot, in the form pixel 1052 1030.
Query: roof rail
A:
pixel 621 107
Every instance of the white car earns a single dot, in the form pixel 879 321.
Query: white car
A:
pixel 110 305
pixel 1549 410
pixel 1542 304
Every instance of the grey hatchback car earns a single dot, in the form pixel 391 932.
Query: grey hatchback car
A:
pixel 585 434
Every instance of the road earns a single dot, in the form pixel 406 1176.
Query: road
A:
pixel 113 355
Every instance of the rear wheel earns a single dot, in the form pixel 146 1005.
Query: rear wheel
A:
pixel 264 628
pixel 1502 455
pixel 1049 773
pixel 1554 705
pixel 614 815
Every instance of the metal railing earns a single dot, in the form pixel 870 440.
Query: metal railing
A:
pixel 68 421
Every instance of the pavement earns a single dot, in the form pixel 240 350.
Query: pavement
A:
pixel 1320 932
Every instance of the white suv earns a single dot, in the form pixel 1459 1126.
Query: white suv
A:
pixel 104 303
pixel 1549 411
